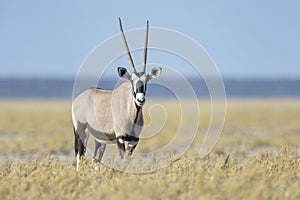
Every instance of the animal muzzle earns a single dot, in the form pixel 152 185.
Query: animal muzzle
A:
pixel 140 99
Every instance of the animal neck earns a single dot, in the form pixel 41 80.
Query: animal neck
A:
pixel 124 92
pixel 138 110
pixel 125 110
pixel 134 108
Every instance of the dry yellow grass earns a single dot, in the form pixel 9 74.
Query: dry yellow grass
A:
pixel 261 136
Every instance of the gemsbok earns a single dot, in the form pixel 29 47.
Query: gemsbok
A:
pixel 113 115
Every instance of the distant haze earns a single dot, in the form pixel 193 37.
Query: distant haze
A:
pixel 62 89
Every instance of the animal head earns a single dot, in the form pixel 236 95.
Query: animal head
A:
pixel 138 80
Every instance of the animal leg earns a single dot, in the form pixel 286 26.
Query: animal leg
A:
pixel 99 151
pixel 80 137
pixel 75 142
pixel 81 147
pixel 132 144
pixel 121 145
pixel 131 147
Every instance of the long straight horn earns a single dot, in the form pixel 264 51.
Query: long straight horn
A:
pixel 127 48
pixel 145 49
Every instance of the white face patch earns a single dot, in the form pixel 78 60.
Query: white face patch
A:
pixel 139 88
pixel 135 79
pixel 140 99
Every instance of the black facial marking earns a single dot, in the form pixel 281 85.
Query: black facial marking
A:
pixel 140 87
pixel 133 92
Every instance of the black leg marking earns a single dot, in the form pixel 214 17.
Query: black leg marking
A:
pixel 132 142
pixel 75 142
pixel 131 148
pixel 99 151
pixel 80 137
pixel 81 148
pixel 121 145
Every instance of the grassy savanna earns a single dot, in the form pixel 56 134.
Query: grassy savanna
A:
pixel 256 157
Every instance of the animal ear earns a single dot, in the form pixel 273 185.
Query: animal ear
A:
pixel 122 71
pixel 155 72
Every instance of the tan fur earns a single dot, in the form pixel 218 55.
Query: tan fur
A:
pixel 108 112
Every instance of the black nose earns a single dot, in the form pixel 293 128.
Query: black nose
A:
pixel 141 100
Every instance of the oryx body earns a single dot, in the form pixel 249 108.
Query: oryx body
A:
pixel 112 116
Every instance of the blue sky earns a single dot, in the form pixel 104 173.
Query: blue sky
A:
pixel 246 39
